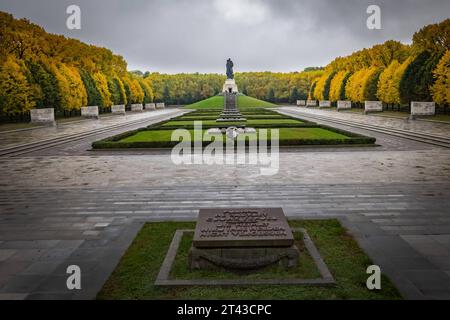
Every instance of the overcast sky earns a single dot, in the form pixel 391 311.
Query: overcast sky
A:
pixel 173 36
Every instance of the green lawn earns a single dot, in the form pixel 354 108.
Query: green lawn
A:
pixel 247 123
pixel 136 272
pixel 217 102
pixel 285 134
pixel 292 131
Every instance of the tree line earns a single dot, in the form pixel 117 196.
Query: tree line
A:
pixel 392 72
pixel 39 70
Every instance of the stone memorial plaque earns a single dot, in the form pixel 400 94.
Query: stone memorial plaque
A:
pixel 90 112
pixel 324 104
pixel 301 102
pixel 118 109
pixel 46 116
pixel 342 105
pixel 423 108
pixel 160 105
pixel 373 106
pixel 311 103
pixel 242 227
pixel 137 107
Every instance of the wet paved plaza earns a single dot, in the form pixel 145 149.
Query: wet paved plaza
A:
pixel 68 205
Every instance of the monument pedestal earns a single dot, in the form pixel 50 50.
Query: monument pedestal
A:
pixel 230 86
pixel 242 239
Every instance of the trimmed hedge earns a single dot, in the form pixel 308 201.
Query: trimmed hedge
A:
pixel 114 141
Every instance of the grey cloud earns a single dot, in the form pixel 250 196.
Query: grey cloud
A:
pixel 198 35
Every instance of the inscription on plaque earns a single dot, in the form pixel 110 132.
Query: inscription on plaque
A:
pixel 259 227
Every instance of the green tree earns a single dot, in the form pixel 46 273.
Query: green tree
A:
pixel 271 95
pixel 47 82
pixel 94 97
pixel 294 96
pixel 418 78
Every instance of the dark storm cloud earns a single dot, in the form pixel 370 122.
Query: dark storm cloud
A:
pixel 198 35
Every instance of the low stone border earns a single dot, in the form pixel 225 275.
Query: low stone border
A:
pixel 162 279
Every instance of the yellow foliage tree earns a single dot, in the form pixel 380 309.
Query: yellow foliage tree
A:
pixel 138 93
pixel 321 90
pixel 388 89
pixel 337 84
pixel 147 89
pixel 16 94
pixel 441 88
pixel 70 86
pixel 101 84
pixel 359 85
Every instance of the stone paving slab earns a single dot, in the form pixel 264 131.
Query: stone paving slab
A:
pixel 66 206
pixel 99 255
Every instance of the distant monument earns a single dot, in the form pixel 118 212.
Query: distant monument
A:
pixel 230 65
pixel 230 85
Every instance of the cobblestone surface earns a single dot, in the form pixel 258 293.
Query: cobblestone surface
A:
pixel 71 206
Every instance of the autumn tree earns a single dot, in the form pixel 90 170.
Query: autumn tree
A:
pixel 101 84
pixel 16 94
pixel 337 86
pixel 441 87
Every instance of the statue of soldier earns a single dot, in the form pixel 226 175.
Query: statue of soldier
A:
pixel 230 74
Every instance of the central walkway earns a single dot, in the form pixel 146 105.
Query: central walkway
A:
pixel 85 208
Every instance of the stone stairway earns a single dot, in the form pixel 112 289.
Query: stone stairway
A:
pixel 230 110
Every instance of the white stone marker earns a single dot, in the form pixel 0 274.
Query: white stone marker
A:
pixel 301 102
pixel 160 105
pixel 118 109
pixel 423 108
pixel 324 104
pixel 90 112
pixel 150 106
pixel 373 106
pixel 137 107
pixel 43 116
pixel 343 105
pixel 311 103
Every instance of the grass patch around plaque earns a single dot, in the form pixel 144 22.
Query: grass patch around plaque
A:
pixel 135 275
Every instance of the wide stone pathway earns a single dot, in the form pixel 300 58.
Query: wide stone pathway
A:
pixel 85 208
pixel 40 133
pixel 433 128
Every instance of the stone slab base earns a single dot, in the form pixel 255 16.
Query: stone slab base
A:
pixel 163 278
pixel 242 258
